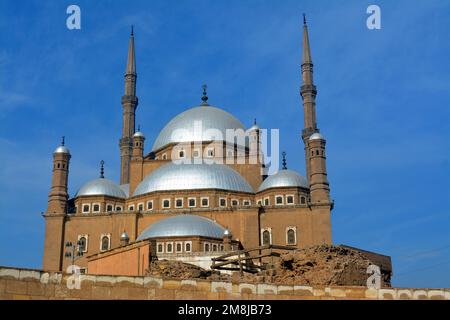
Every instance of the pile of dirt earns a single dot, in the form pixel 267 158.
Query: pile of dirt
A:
pixel 319 265
pixel 181 270
pixel 322 265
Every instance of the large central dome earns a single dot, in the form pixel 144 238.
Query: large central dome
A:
pixel 196 124
pixel 193 176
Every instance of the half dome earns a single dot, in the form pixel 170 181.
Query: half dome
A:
pixel 184 225
pixel 101 187
pixel 197 124
pixel 284 178
pixel 173 176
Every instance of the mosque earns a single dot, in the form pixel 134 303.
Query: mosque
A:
pixel 193 195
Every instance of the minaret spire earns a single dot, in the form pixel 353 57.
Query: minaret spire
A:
pixel 308 92
pixel 102 169
pixel 129 105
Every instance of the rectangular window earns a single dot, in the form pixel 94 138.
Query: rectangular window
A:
pixel 205 202
pixel 259 202
pixel 290 199
pixel 246 202
pixel 222 202
pixel 179 203
pixel 160 248
pixel 140 207
pixel 169 247
pixel 187 246
pixel 278 200
pixel 150 205
pixel 96 207
pixel 166 203
pixel 234 202
pixel 178 247
pixel 302 200
pixel 131 207
pixel 192 202
pixel 266 201
pixel 109 208
pixel 86 208
pixel 181 154
pixel 119 208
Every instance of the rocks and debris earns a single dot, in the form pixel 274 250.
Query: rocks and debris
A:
pixel 180 270
pixel 319 265
pixel 322 265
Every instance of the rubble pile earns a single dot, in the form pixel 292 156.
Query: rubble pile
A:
pixel 181 270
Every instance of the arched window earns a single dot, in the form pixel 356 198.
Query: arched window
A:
pixel 160 248
pixel 302 200
pixel 105 243
pixel 82 244
pixel 169 248
pixel 291 236
pixel 179 248
pixel 206 247
pixel 317 152
pixel 187 247
pixel 266 237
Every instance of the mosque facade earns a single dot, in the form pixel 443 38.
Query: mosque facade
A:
pixel 194 194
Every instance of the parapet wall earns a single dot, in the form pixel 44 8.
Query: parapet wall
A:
pixel 36 284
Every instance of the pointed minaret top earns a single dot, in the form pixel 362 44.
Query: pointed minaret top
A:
pixel 102 171
pixel 284 160
pixel 306 52
pixel 63 140
pixel 205 97
pixel 131 62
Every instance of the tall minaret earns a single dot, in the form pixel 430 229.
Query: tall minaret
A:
pixel 314 142
pixel 308 92
pixel 129 104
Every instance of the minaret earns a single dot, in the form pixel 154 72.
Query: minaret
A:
pixel 129 104
pixel 318 182
pixel 138 145
pixel 308 92
pixel 56 210
pixel 58 196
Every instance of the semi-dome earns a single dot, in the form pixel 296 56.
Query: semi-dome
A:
pixel 316 136
pixel 284 178
pixel 197 124
pixel 184 225
pixel 173 176
pixel 101 187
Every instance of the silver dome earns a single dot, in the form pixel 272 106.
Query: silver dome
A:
pixel 184 225
pixel 284 178
pixel 209 117
pixel 173 176
pixel 101 187
pixel 62 149
pixel 138 134
pixel 316 136
pixel 124 236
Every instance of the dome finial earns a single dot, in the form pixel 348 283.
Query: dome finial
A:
pixel 254 121
pixel 139 127
pixel 304 19
pixel 63 140
pixel 132 30
pixel 284 160
pixel 204 97
pixel 102 171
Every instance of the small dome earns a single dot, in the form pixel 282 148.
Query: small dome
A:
pixel 207 117
pixel 62 149
pixel 316 136
pixel 101 187
pixel 284 178
pixel 138 134
pixel 184 225
pixel 173 176
pixel 124 236
pixel 227 233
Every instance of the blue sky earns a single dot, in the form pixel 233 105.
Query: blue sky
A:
pixel 383 105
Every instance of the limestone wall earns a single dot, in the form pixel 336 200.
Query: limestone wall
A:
pixel 35 284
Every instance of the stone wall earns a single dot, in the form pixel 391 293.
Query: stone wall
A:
pixel 35 284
